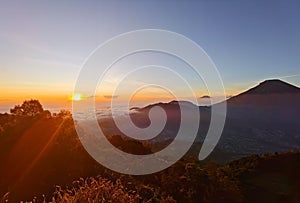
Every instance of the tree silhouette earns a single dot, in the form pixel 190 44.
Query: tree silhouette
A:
pixel 17 110
pixel 28 108
pixel 64 114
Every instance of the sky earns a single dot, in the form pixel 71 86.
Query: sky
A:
pixel 43 44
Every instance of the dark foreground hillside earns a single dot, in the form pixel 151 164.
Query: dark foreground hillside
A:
pixel 269 178
pixel 260 178
pixel 36 153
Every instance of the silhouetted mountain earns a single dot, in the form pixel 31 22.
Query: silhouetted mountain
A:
pixel 169 105
pixel 263 119
pixel 274 86
pixel 205 97
pixel 268 94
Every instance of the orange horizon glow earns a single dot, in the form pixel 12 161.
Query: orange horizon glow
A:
pixel 9 97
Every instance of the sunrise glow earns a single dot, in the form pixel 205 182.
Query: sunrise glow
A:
pixel 76 97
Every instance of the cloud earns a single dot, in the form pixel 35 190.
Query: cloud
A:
pixel 289 76
pixel 110 96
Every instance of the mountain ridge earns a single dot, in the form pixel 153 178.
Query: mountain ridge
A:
pixel 268 94
pixel 272 86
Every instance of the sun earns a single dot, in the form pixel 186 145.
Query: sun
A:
pixel 77 97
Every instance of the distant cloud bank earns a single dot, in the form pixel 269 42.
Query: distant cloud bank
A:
pixel 110 96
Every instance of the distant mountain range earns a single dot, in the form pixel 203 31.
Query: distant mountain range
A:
pixel 263 119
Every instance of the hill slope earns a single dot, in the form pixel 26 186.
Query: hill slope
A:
pixel 260 178
pixel 268 94
pixel 263 119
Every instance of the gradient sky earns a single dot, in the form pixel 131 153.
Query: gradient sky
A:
pixel 43 44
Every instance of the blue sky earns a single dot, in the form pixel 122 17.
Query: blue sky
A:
pixel 43 44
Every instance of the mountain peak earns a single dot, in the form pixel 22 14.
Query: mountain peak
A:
pixel 273 93
pixel 273 86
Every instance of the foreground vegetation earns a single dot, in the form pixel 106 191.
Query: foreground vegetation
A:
pixel 259 178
